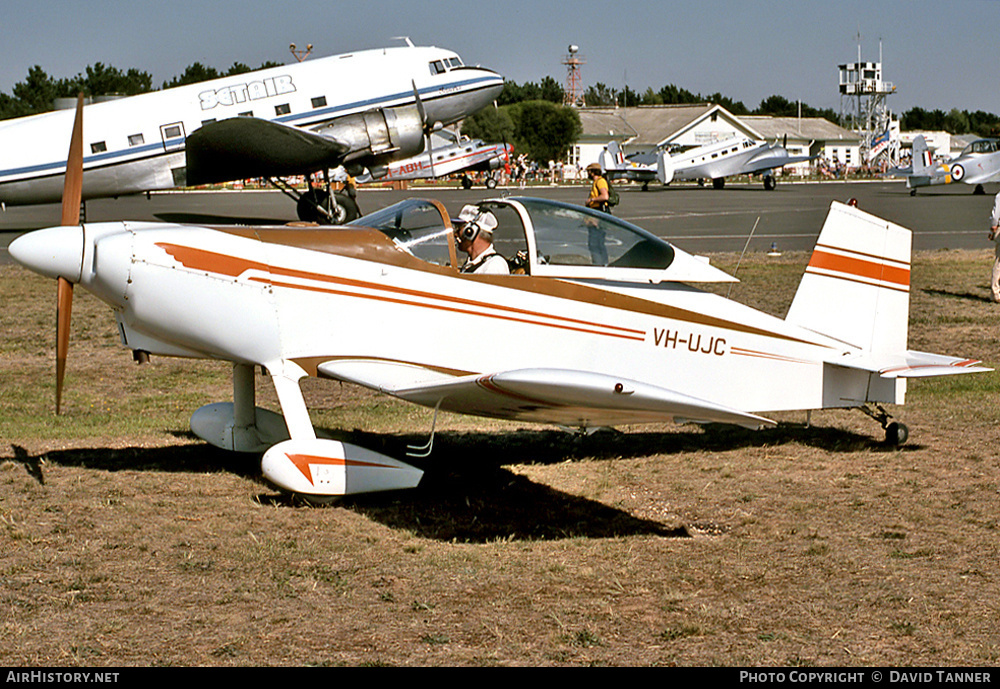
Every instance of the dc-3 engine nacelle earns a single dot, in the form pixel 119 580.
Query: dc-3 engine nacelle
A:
pixel 379 136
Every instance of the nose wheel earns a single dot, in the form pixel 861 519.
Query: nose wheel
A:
pixel 895 433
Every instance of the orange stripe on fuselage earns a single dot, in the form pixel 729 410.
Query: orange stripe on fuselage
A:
pixel 199 259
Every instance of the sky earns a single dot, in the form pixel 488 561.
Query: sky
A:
pixel 938 55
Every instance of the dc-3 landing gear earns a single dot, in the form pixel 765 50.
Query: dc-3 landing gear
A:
pixel 320 205
pixel 895 433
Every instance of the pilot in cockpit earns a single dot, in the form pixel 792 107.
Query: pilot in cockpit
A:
pixel 474 236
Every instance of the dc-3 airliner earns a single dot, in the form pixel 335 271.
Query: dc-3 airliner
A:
pixel 738 155
pixel 600 324
pixel 360 110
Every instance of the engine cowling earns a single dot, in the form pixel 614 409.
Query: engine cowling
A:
pixel 376 137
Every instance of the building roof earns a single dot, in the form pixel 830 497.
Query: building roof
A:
pixel 801 128
pixel 652 125
pixel 647 125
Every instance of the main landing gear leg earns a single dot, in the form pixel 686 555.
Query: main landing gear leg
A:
pixel 319 205
pixel 895 433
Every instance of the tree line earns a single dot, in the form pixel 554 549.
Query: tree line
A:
pixel 955 121
pixel 39 91
pixel 530 115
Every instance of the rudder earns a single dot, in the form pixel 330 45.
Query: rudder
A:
pixel 856 287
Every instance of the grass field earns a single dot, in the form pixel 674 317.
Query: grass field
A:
pixel 126 541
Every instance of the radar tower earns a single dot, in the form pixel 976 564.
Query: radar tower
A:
pixel 573 91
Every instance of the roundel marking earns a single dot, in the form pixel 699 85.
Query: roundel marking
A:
pixel 957 172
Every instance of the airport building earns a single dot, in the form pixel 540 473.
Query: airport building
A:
pixel 645 128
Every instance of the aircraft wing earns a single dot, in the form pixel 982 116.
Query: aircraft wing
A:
pixel 771 158
pixel 245 147
pixel 571 398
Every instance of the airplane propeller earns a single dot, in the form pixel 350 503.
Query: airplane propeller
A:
pixel 428 126
pixel 72 195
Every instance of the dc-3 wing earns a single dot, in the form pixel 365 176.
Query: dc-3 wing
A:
pixel 245 147
pixel 573 398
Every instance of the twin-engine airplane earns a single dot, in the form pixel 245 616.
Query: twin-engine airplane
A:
pixel 360 110
pixel 601 324
pixel 447 153
pixel 977 164
pixel 716 161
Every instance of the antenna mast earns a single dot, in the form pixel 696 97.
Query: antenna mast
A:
pixel 573 91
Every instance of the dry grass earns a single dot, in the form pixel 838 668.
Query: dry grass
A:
pixel 124 541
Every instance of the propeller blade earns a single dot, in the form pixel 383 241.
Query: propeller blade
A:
pixel 73 186
pixel 64 308
pixel 72 196
pixel 420 105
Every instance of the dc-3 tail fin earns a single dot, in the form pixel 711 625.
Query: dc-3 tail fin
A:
pixel 856 287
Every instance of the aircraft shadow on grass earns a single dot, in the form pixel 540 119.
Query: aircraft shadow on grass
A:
pixel 969 296
pixel 467 493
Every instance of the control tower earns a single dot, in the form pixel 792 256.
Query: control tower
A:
pixel 863 108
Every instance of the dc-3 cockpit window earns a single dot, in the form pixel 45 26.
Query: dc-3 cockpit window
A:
pixel 576 236
pixel 448 63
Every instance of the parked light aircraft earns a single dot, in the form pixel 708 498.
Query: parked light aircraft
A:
pixel 978 164
pixel 601 326
pixel 360 109
pixel 447 153
pixel 716 161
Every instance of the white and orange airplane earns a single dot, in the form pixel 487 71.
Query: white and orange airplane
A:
pixel 602 324
pixel 360 109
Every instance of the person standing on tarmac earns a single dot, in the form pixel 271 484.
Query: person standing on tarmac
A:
pixel 600 193
pixel 995 238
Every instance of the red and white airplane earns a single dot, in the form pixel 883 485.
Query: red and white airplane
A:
pixel 360 109
pixel 447 154
pixel 601 325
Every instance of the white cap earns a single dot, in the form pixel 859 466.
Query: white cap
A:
pixel 485 220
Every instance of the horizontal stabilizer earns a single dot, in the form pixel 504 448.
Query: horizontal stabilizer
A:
pixel 915 365
pixel 244 147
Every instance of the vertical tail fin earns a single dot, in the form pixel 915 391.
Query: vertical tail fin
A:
pixel 664 167
pixel 921 156
pixel 856 287
pixel 611 157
